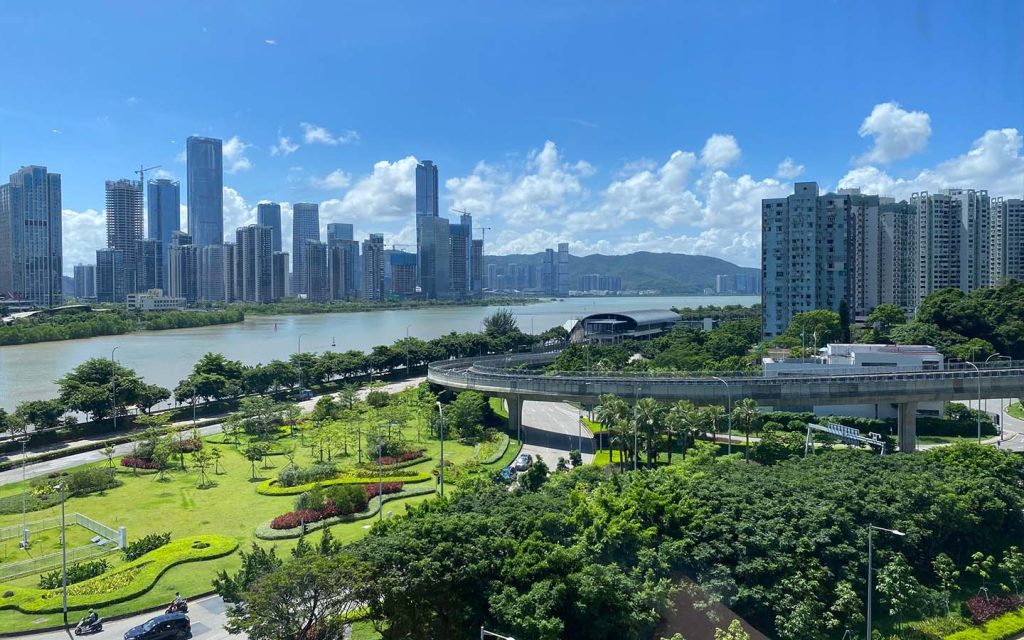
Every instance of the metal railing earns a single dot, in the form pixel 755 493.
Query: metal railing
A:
pixel 15 530
pixel 51 561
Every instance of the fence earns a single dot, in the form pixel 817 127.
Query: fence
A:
pixel 111 540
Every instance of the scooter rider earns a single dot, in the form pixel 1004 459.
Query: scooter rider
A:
pixel 92 617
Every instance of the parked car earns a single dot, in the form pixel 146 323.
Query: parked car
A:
pixel 523 462
pixel 506 474
pixel 170 626
pixel 305 394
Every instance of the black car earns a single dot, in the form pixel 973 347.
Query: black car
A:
pixel 165 627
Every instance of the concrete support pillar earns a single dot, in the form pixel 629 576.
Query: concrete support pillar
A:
pixel 515 414
pixel 908 426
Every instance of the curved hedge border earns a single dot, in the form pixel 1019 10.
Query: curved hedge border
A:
pixel 269 486
pixel 264 532
pixel 148 570
pixel 1006 626
pixel 502 448
pixel 370 467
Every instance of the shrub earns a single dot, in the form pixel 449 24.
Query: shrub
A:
pixel 403 457
pixel 339 500
pixel 134 462
pixel 143 546
pixel 77 572
pixel 293 519
pixel 1006 626
pixel 188 445
pixel 935 628
pixel 372 490
pixel 983 608
pixel 87 481
pixel 293 475
pixel 377 398
pixel 270 486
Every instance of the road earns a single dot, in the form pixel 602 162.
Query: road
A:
pixel 552 429
pixel 1013 428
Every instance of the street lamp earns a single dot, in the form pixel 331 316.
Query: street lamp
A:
pixel 728 391
pixel 978 415
pixel 24 492
pixel 440 412
pixel 871 528
pixel 63 555
pixel 113 385
pixel 484 633
pixel 1002 401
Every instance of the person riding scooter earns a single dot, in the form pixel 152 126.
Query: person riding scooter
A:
pixel 91 623
pixel 178 605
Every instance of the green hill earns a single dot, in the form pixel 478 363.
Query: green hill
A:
pixel 669 273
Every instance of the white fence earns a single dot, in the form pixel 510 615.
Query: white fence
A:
pixel 107 540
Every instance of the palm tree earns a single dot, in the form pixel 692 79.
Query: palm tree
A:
pixel 745 414
pixel 610 413
pixel 710 416
pixel 684 419
pixel 648 418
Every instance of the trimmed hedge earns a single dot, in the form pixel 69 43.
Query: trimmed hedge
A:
pixel 265 532
pixel 270 487
pixel 124 583
pixel 371 468
pixel 339 500
pixel 391 461
pixel 500 453
pixel 1002 628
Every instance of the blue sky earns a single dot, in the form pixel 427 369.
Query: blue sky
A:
pixel 615 126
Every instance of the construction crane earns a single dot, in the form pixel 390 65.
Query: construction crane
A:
pixel 483 230
pixel 141 171
pixel 395 245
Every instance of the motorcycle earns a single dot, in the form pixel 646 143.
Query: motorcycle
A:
pixel 178 607
pixel 86 627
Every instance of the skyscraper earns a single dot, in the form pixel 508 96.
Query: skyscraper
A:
pixel 124 224
pixel 205 191
pixel 216 273
pixel 937 243
pixel 279 277
pixel 149 265
pixel 1006 241
pixel 426 189
pixel 85 281
pixel 477 267
pixel 305 226
pixel 182 276
pixel 31 252
pixel 254 257
pixel 562 271
pixel 373 267
pixel 111 278
pixel 343 258
pixel 339 231
pixel 460 256
pixel 268 214
pixel 163 212
pixel 434 256
pixel 316 271
pixel 548 273
pixel 403 273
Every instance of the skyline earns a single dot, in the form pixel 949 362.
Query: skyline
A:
pixel 526 137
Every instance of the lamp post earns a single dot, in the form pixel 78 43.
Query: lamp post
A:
pixel 484 633
pixel 113 386
pixel 1002 401
pixel 728 391
pixel 978 415
pixel 24 493
pixel 871 583
pixel 63 556
pixel 440 412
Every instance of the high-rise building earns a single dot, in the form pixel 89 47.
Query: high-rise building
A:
pixel 477 267
pixel 163 212
pixel 426 189
pixel 975 221
pixel 562 272
pixel 433 254
pixel 880 237
pixel 318 282
pixel 149 266
pixel 373 267
pixel 85 281
pixel 343 258
pixel 205 167
pixel 279 277
pixel 403 273
pixel 1006 241
pixel 460 256
pixel 804 244
pixel 305 227
pixel 339 231
pixel 31 251
pixel 492 276
pixel 548 271
pixel 254 259
pixel 937 240
pixel 183 267
pixel 216 273
pixel 111 277
pixel 125 225
pixel 268 214
pixel 230 266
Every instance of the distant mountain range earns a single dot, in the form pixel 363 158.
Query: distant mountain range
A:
pixel 669 273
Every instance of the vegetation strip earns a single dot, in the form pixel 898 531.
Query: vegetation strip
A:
pixel 266 532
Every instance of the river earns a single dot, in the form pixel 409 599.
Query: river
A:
pixel 28 372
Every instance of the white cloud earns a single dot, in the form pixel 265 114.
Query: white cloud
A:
pixel 270 41
pixel 234 155
pixel 283 147
pixel 386 194
pixel 897 133
pixel 334 180
pixel 55 131
pixel 83 232
pixel 314 134
pixel 994 162
pixel 720 151
pixel 787 169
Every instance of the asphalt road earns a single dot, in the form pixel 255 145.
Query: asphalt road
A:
pixel 552 429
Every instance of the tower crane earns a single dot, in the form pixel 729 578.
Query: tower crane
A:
pixel 141 171
pixel 483 230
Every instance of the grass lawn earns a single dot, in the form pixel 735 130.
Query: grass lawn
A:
pixel 1016 410
pixel 364 631
pixel 146 504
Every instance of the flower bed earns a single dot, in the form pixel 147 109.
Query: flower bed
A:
pixel 188 445
pixel 1006 626
pixel 296 518
pixel 123 583
pixel 270 487
pixel 983 609
pixel 265 532
pixel 386 461
pixel 135 462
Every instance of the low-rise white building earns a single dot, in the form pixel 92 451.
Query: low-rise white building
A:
pixel 850 359
pixel 155 300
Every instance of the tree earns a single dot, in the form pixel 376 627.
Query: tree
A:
pixel 161 456
pixel 42 414
pixel 253 453
pixel 901 589
pixel 886 316
pixel 301 600
pixel 201 458
pixel 745 416
pixel 648 420
pixel 535 476
pixel 109 451
pixel 255 564
pixel 734 632
pixel 946 572
pixel 149 396
pixel 465 414
pixel 815 328
pixel 1012 566
pixel 348 395
pixel 260 416
pixel 710 416
pixel 684 420
pixel 93 386
pixel 216 455
pixel 501 323
pixel 214 377
pixel 612 413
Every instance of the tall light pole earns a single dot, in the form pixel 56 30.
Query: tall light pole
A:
pixel 484 633
pixel 440 412
pixel 871 581
pixel 728 391
pixel 1002 401
pixel 24 492
pixel 978 415
pixel 113 389
pixel 63 556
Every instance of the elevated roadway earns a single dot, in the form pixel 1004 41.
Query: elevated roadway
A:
pixel 510 377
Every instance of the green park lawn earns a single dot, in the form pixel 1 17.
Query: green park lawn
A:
pixel 146 504
pixel 1016 410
